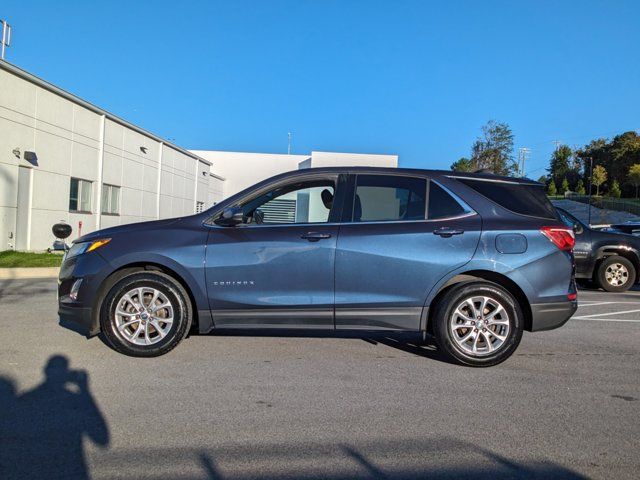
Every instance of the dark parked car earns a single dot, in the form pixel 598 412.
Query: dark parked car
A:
pixel 472 259
pixel 631 228
pixel 608 257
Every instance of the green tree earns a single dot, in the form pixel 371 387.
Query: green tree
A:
pixel 494 149
pixel 564 187
pixel 543 179
pixel 599 177
pixel 560 165
pixel 615 190
pixel 462 165
pixel 580 187
pixel 552 189
pixel 616 156
pixel 634 176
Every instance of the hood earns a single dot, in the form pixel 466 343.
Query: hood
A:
pixel 128 228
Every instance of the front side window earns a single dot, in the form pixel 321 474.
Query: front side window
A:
pixel 110 199
pixel 80 195
pixel 303 202
pixel 388 198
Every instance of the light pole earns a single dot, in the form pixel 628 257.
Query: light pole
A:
pixel 589 197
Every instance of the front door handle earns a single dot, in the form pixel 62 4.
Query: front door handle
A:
pixel 315 236
pixel 447 232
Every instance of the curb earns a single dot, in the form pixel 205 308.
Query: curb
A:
pixel 20 273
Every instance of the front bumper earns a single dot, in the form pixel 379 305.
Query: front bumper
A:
pixel 547 316
pixel 77 318
pixel 78 314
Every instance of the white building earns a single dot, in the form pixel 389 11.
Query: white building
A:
pixel 236 171
pixel 62 158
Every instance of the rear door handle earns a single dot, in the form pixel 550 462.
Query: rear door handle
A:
pixel 447 232
pixel 315 236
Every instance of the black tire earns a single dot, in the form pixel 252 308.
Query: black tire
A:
pixel 610 262
pixel 172 291
pixel 444 335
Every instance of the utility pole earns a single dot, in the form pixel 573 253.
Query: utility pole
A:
pixel 557 144
pixel 523 154
pixel 288 143
pixel 5 40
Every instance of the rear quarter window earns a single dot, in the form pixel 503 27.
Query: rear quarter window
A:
pixel 524 199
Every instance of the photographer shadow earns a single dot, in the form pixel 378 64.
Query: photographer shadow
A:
pixel 42 430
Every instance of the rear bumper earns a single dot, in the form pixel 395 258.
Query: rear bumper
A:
pixel 547 316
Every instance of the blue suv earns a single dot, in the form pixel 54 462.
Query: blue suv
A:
pixel 471 259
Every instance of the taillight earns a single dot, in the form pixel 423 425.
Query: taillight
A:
pixel 562 237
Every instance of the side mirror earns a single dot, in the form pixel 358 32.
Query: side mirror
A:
pixel 231 217
pixel 577 228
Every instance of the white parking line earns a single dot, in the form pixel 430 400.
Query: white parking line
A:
pixel 587 304
pixel 606 319
pixel 610 313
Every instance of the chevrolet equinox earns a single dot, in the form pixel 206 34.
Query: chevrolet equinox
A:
pixel 470 259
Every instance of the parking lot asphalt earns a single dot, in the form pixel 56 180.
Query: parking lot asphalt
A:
pixel 566 405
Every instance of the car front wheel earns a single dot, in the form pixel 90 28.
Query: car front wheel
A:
pixel 616 274
pixel 478 324
pixel 145 314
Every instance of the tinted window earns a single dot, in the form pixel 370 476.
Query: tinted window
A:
pixel 389 198
pixel 304 202
pixel 519 198
pixel 443 205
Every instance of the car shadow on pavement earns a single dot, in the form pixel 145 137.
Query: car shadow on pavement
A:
pixel 406 342
pixel 348 462
pixel 415 346
pixel 42 430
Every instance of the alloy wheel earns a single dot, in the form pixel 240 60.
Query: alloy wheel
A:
pixel 479 326
pixel 143 316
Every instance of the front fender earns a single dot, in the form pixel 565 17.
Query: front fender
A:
pixel 191 271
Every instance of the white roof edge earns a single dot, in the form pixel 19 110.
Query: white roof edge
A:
pixel 89 106
pixel 293 155
pixel 356 153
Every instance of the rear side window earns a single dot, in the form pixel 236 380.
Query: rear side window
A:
pixel 519 198
pixel 388 198
pixel 443 205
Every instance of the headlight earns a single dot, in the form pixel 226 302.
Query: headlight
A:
pixel 80 248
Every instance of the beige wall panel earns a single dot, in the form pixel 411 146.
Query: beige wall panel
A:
pixel 84 163
pixel 86 124
pixel 50 191
pixel 54 110
pixel 113 134
pixel 112 169
pixel 131 202
pixel 7 227
pixel 54 153
pixel 17 94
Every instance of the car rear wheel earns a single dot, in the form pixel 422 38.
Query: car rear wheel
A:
pixel 478 324
pixel 145 314
pixel 616 274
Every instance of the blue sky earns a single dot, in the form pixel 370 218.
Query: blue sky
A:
pixel 416 78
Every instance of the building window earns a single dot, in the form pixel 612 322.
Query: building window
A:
pixel 110 199
pixel 199 207
pixel 80 196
